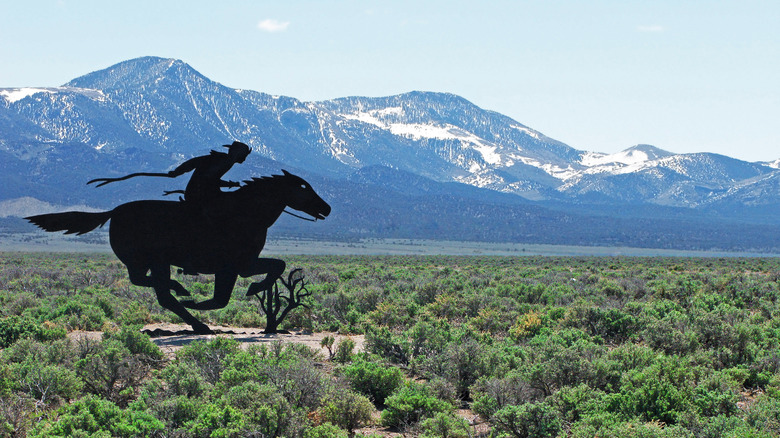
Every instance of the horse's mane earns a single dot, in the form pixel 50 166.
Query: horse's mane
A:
pixel 255 184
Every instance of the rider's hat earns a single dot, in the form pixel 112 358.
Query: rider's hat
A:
pixel 238 148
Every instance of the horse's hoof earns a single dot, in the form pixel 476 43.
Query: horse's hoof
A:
pixel 202 329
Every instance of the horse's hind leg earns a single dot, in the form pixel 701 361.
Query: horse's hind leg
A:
pixel 139 278
pixel 160 280
pixel 223 289
pixel 180 290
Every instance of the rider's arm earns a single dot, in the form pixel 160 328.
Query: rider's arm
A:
pixel 185 167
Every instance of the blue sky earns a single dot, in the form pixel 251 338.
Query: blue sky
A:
pixel 685 76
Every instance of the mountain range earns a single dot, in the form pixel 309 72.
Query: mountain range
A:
pixel 415 165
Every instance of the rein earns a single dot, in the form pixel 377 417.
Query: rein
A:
pixel 299 217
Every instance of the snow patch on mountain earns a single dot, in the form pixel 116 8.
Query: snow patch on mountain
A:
pixel 481 179
pixel 390 111
pixel 626 157
pixel 528 131
pixel 773 164
pixel 422 131
pixel 677 163
pixel 561 173
pixel 16 94
pixel 632 160
pixel 419 131
pixel 12 95
pixel 365 117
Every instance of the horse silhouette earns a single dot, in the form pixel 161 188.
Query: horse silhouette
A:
pixel 223 237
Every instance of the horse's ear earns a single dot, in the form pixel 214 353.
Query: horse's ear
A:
pixel 286 173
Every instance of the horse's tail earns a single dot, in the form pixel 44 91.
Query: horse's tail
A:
pixel 78 222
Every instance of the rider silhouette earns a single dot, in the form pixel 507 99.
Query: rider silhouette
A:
pixel 207 172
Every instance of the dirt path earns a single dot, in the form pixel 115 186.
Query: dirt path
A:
pixel 181 335
pixel 171 337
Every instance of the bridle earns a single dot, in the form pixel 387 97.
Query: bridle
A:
pixel 299 217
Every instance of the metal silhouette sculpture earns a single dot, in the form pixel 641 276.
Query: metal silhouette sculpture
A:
pixel 212 232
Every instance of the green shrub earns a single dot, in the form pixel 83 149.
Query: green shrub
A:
pixel 16 327
pixel 344 350
pixel 428 338
pixel 411 403
pixel 41 371
pixel 47 384
pixel 661 392
pixel 445 425
pixel 325 430
pixel 298 380
pixel 671 336
pixel 576 403
pixel 347 410
pixel 388 345
pixel 613 325
pixel 183 378
pixel 80 316
pixel 175 411
pixel 558 359
pixel 16 414
pixel 645 430
pixel 714 396
pixel 327 342
pixel 764 415
pixel 95 417
pixel 111 371
pixel 219 421
pixel 134 313
pixel 266 411
pixel 236 368
pixel 209 356
pixel 137 342
pixel 374 380
pixel 529 420
pixel 493 393
pixel 463 363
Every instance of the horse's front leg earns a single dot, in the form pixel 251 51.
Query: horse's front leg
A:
pixel 272 268
pixel 223 288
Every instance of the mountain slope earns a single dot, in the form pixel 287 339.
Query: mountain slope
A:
pixel 164 106
pixel 460 167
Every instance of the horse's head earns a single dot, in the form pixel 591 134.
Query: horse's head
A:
pixel 300 196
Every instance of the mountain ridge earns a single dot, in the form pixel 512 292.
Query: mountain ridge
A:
pixel 458 141
pixel 149 114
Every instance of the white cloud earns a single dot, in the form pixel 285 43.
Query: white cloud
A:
pixel 271 25
pixel 655 28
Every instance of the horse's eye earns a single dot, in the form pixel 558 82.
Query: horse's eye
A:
pixel 304 186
